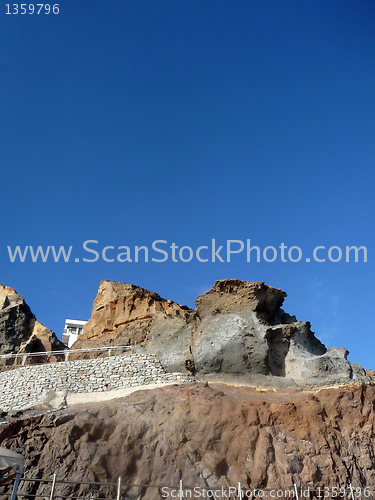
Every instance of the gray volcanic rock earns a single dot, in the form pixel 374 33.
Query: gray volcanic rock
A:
pixel 16 320
pixel 237 330
pixel 19 330
pixel 231 343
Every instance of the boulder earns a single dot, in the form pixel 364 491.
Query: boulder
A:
pixel 237 296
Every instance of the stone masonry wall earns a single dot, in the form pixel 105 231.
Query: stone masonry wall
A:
pixel 28 386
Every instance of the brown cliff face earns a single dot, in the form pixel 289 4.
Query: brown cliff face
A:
pixel 122 314
pixel 208 436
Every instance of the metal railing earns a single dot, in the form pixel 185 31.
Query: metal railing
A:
pixel 58 355
pixel 95 489
pixel 120 491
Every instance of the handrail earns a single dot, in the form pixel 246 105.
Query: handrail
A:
pixel 66 353
pixel 45 353
pixel 236 491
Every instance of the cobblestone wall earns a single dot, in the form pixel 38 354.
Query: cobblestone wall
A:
pixel 31 385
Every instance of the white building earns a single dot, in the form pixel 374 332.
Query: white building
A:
pixel 73 328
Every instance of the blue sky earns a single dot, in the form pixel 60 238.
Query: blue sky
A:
pixel 136 121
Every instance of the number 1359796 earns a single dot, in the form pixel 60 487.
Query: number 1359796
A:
pixel 39 8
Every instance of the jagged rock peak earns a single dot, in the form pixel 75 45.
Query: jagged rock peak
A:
pixel 113 290
pixel 16 320
pixel 19 330
pixel 123 314
pixel 9 296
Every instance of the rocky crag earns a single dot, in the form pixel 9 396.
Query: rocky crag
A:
pixel 19 330
pixel 272 424
pixel 238 332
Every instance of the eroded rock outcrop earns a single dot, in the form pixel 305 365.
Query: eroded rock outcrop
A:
pixel 124 314
pixel 16 320
pixel 19 330
pixel 238 331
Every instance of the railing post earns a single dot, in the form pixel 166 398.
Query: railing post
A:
pixel 66 354
pixel 118 489
pixel 53 487
pixel 239 490
pixel 15 487
pixel 296 491
pixel 24 360
pixel 181 490
pixel 351 491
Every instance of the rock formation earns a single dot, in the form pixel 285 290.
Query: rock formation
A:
pixel 15 320
pixel 208 435
pixel 238 332
pixel 19 330
pixel 123 315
